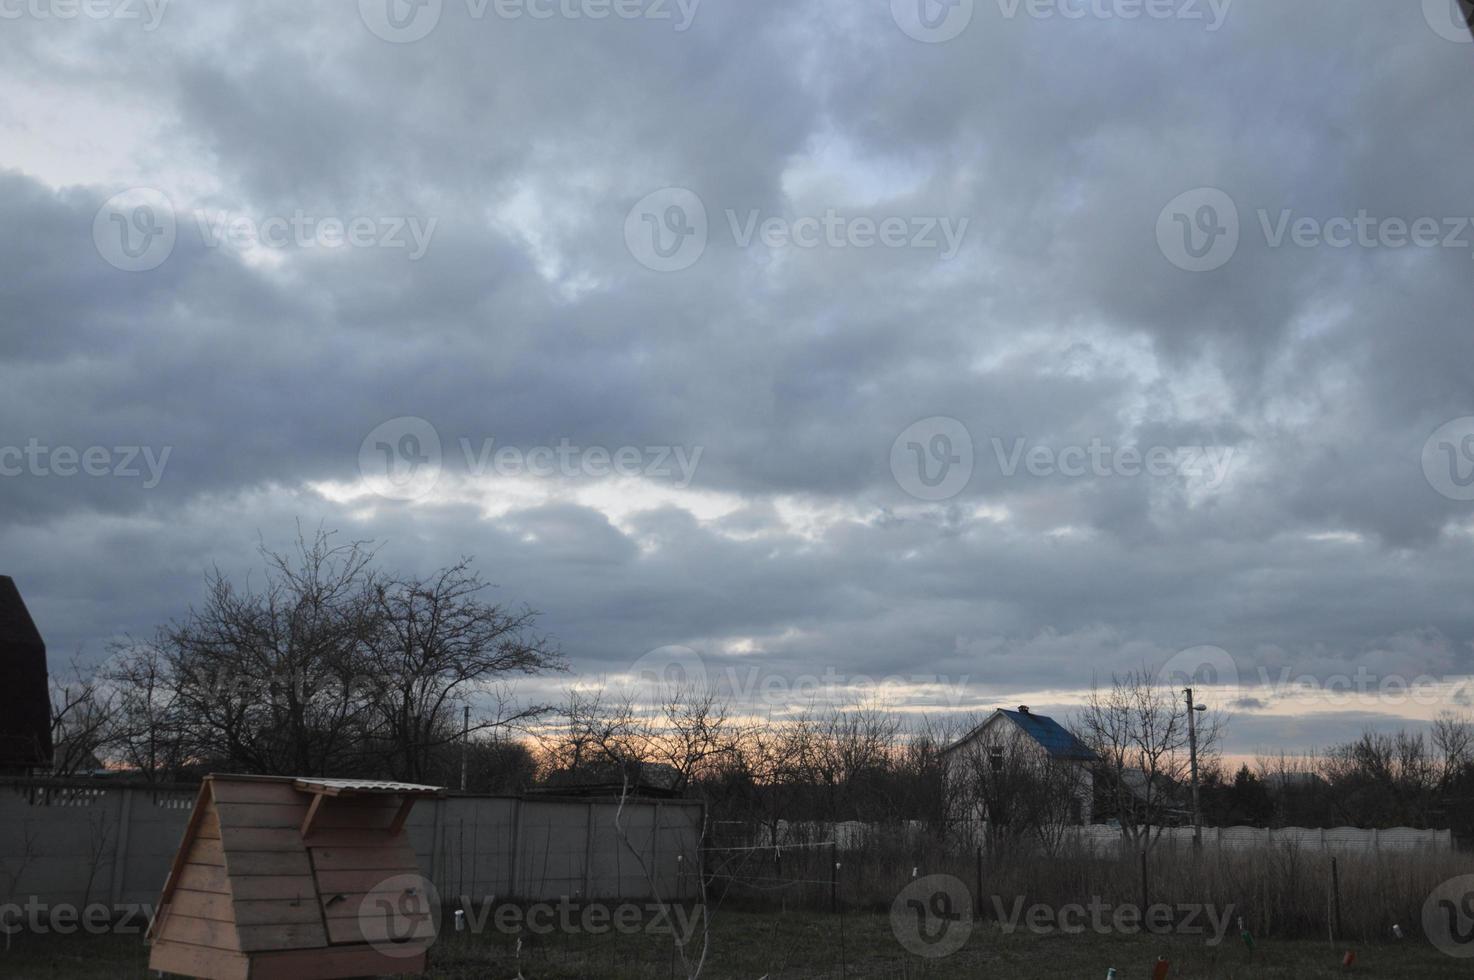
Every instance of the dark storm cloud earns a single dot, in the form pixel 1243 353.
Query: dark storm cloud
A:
pixel 1059 324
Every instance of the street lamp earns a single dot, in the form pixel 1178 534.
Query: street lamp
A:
pixel 1192 745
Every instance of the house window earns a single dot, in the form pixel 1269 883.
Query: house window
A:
pixel 995 756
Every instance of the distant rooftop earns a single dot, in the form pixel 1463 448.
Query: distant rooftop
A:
pixel 16 626
pixel 1053 737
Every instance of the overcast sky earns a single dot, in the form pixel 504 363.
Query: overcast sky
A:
pixel 995 346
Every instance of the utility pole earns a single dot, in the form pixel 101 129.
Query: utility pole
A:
pixel 1192 745
pixel 466 748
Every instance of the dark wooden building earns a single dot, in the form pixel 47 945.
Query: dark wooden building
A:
pixel 25 700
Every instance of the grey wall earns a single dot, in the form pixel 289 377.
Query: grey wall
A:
pixel 113 844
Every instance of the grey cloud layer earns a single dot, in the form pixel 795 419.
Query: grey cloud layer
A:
pixel 528 321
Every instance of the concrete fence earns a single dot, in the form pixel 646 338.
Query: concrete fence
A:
pixel 1104 839
pixel 85 842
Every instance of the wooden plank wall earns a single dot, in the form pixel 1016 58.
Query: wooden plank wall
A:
pixel 266 862
pixel 196 934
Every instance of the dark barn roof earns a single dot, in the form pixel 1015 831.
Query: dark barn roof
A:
pixel 25 701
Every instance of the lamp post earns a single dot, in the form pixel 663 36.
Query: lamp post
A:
pixel 1192 745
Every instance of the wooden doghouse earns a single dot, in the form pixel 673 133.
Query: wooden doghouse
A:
pixel 300 879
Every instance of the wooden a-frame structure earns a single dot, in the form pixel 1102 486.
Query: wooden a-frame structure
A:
pixel 297 879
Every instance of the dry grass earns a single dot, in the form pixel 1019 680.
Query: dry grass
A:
pixel 749 946
pixel 765 928
pixel 1282 892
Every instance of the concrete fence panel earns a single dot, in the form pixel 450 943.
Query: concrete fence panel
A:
pixel 80 843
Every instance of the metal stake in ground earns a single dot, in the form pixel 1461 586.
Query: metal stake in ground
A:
pixel 1145 902
pixel 1336 896
pixel 977 904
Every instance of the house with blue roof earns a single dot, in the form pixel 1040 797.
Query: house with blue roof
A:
pixel 1007 738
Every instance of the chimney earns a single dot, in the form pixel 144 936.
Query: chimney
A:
pixel 1023 709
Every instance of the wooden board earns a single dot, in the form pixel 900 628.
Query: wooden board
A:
pixel 203 806
pixel 348 837
pixel 343 905
pixel 269 888
pixel 242 791
pixel 198 961
pixel 378 928
pixel 332 815
pixel 348 882
pixel 262 815
pixel 209 827
pixel 291 935
pixel 384 857
pixel 203 905
pixel 348 905
pixel 182 927
pixel 337 814
pixel 261 839
pixel 204 878
pixel 206 851
pixel 280 911
pixel 245 864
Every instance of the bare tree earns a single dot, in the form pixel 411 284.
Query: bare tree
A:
pixel 594 731
pixel 1384 780
pixel 694 731
pixel 152 735
pixel 265 680
pixel 687 729
pixel 84 722
pixel 1139 730
pixel 925 788
pixel 436 645
pixel 329 667
pixel 1453 740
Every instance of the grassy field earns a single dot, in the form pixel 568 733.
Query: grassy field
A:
pixel 750 945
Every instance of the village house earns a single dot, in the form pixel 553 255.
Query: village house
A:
pixel 1011 739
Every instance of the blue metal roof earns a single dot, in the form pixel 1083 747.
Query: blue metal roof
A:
pixel 1053 736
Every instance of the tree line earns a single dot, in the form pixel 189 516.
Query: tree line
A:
pixel 333 667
